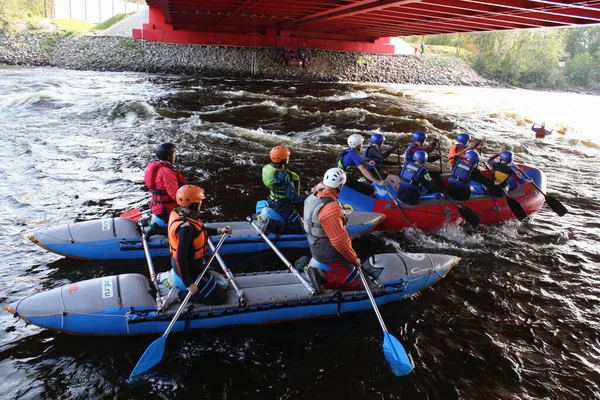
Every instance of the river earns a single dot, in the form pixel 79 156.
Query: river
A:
pixel 518 318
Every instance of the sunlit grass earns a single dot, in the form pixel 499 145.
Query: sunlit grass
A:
pixel 111 21
pixel 73 25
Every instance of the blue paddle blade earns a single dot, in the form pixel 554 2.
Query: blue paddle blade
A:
pixel 151 357
pixel 396 355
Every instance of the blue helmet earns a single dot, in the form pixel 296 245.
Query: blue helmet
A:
pixel 463 138
pixel 473 157
pixel 420 156
pixel 377 138
pixel 506 156
pixel 419 137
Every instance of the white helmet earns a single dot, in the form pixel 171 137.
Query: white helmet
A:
pixel 355 140
pixel 334 178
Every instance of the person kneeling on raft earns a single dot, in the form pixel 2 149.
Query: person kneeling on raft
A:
pixel 188 243
pixel 413 177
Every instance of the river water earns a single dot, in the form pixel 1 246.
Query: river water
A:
pixel 518 318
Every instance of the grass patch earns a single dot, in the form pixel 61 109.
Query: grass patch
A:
pixel 72 25
pixel 111 21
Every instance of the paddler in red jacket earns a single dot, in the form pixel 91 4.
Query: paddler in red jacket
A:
pixel 163 183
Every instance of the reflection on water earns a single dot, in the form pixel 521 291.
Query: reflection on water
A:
pixel 517 318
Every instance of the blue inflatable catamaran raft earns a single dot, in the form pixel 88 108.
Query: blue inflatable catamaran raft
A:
pixel 120 238
pixel 125 305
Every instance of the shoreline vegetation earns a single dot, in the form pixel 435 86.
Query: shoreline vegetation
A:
pixel 42 43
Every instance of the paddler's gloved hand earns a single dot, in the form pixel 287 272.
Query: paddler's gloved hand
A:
pixel 227 229
pixel 193 288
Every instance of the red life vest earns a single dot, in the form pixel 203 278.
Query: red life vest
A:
pixel 161 202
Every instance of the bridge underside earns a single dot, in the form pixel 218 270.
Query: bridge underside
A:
pixel 350 25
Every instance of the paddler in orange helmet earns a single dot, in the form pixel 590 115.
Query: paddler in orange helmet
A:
pixel 188 243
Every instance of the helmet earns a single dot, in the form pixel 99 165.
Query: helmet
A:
pixel 377 138
pixel 279 154
pixel 463 138
pixel 165 151
pixel 355 140
pixel 419 136
pixel 420 156
pixel 506 156
pixel 190 194
pixel 473 157
pixel 334 178
pixel 543 125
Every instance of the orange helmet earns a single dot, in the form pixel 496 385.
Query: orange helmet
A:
pixel 190 194
pixel 279 154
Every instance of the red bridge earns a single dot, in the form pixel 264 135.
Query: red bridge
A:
pixel 350 25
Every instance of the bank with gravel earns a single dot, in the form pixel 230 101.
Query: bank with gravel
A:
pixel 111 53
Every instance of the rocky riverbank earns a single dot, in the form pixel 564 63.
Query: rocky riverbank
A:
pixel 110 53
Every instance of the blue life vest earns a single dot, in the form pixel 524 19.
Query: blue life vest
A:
pixel 408 156
pixel 461 174
pixel 366 159
pixel 349 170
pixel 410 176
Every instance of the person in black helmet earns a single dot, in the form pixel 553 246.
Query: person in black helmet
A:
pixel 163 183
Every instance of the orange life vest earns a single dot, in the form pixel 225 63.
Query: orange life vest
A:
pixel 453 150
pixel 200 242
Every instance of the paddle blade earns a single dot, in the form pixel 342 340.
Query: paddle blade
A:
pixel 496 191
pixel 556 206
pixel 396 355
pixel 151 357
pixel 133 214
pixel 516 208
pixel 470 215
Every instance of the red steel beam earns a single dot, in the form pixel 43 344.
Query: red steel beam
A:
pixel 348 10
pixel 565 10
pixel 490 11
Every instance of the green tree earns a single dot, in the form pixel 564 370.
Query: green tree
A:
pixel 521 57
pixel 582 40
pixel 11 10
pixel 580 70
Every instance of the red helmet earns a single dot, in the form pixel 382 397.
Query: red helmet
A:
pixel 279 154
pixel 190 194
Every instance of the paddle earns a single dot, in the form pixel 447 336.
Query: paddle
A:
pixel 155 351
pixel 151 267
pixel 133 214
pixel 554 203
pixel 229 275
pixel 311 290
pixel 387 189
pixel 467 213
pixel 516 208
pixel 392 348
pixel 440 154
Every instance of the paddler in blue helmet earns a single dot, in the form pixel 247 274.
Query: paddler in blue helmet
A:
pixel 502 170
pixel 374 158
pixel 464 174
pixel 418 143
pixel 413 176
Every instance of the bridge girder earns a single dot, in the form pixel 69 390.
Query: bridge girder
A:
pixel 272 22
